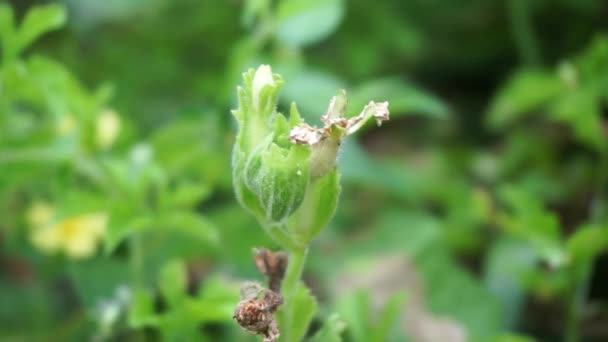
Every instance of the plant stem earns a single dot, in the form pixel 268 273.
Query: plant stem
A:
pixel 523 32
pixel 295 266
pixel 279 235
pixel 577 300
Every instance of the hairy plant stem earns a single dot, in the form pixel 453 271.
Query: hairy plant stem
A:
pixel 279 234
pixel 295 266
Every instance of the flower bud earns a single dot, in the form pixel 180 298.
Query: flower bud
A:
pixel 284 170
pixel 270 175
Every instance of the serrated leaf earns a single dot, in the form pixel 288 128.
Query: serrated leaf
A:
pixel 304 306
pixel 330 331
pixel 40 20
pixel 302 23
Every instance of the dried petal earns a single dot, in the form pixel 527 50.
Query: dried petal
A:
pixel 304 134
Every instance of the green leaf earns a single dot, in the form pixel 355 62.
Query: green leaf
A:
pixel 304 306
pixel 8 41
pixel 304 22
pixel 524 93
pixel 40 20
pixel 141 312
pixel 587 242
pixel 530 221
pixel 580 109
pixel 330 331
pixel 97 279
pixel 186 195
pixel 404 98
pixel 215 301
pixel 173 282
pixel 354 308
pixel 188 223
pixel 387 318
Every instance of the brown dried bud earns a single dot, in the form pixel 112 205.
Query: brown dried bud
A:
pixel 255 315
pixel 272 265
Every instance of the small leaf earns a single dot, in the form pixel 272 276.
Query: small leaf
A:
pixel 587 242
pixel 186 195
pixel 525 92
pixel 581 110
pixel 304 306
pixel 388 317
pixel 355 309
pixel 302 23
pixel 141 312
pixel 173 282
pixel 40 20
pixel 330 331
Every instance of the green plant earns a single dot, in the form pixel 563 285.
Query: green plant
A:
pixel 285 174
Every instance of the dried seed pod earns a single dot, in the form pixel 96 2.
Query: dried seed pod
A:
pixel 272 265
pixel 256 315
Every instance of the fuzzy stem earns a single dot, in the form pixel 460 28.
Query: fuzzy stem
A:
pixel 295 266
pixel 279 234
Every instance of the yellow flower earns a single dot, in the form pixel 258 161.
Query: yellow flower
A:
pixel 107 128
pixel 39 214
pixel 76 236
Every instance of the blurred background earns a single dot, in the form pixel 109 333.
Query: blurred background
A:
pixel 483 202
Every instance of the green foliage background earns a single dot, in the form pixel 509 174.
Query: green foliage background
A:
pixel 479 210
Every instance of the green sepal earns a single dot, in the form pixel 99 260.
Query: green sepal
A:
pixel 279 178
pixel 318 206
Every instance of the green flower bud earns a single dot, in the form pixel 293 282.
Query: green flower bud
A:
pixel 284 171
pixel 270 174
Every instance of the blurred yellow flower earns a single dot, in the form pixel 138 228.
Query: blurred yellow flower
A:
pixel 107 128
pixel 39 214
pixel 76 236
